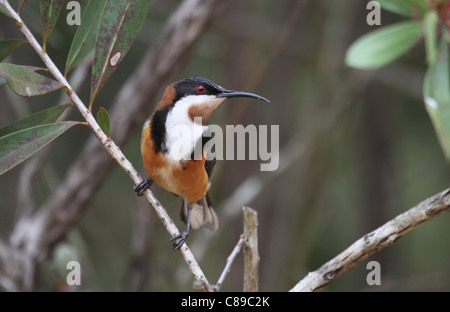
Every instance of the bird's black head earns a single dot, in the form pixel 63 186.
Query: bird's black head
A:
pixel 203 86
pixel 196 86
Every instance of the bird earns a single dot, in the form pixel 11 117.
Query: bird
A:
pixel 186 107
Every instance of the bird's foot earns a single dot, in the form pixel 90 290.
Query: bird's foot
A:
pixel 141 187
pixel 180 239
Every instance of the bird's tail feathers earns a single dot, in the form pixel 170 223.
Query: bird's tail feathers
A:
pixel 202 214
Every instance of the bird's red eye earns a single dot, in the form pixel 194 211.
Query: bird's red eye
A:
pixel 201 89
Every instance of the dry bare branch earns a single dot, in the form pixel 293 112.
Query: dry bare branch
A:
pixel 229 262
pixel 248 240
pixel 251 256
pixel 374 241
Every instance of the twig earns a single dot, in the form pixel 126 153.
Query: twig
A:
pixel 251 256
pixel 249 241
pixel 382 237
pixel 108 144
pixel 229 262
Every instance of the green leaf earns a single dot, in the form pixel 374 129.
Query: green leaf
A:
pixel 45 116
pixel 19 146
pixel 384 45
pixel 103 120
pixel 50 10
pixel 84 39
pixel 436 91
pixel 430 23
pixel 120 23
pixel 25 82
pixel 8 46
pixel 32 68
pixel 407 8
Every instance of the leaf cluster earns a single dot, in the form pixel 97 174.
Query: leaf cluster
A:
pixel 108 29
pixel 428 22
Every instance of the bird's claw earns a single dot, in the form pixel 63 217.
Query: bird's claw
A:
pixel 141 187
pixel 179 239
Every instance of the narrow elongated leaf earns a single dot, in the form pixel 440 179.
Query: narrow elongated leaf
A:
pixel 84 39
pixel 8 46
pixel 103 120
pixel 430 22
pixel 404 7
pixel 19 146
pixel 436 93
pixel 32 68
pixel 382 46
pixel 50 10
pixel 120 23
pixel 45 116
pixel 25 82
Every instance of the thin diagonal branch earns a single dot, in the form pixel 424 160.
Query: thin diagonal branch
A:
pixel 37 235
pixel 374 241
pixel 249 242
pixel 229 262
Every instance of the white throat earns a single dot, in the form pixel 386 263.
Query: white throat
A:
pixel 182 133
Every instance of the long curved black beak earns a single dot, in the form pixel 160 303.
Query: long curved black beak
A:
pixel 231 93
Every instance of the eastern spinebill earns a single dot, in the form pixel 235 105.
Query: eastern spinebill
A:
pixel 187 103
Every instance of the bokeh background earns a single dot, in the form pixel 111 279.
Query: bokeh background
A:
pixel 356 149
